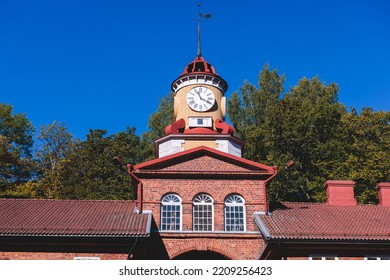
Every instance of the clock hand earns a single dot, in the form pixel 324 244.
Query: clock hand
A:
pixel 205 100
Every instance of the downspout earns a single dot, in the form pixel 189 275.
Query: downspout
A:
pixel 130 170
pixel 265 188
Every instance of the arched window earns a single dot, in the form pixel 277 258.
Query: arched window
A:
pixel 203 209
pixel 234 213
pixel 171 212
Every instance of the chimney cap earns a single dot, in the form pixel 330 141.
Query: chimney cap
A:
pixel 339 182
pixel 383 185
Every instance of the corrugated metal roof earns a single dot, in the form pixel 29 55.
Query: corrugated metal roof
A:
pixel 43 217
pixel 320 221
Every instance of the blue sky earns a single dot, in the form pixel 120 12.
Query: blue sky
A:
pixel 106 64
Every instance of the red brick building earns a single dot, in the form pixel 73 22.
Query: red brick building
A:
pixel 203 202
pixel 199 199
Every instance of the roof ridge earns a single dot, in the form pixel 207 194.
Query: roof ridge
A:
pixel 325 204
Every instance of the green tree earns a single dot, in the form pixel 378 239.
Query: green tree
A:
pixel 157 123
pixel 301 127
pixel 53 146
pixel 248 108
pixel 363 152
pixel 16 163
pixel 88 172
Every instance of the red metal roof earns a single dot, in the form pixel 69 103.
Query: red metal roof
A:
pixel 319 221
pixel 43 217
pixel 199 65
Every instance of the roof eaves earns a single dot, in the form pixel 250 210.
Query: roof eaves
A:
pixel 261 226
pixel 329 238
pixel 147 234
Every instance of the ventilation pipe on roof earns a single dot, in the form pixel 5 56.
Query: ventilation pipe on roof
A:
pixel 383 189
pixel 340 193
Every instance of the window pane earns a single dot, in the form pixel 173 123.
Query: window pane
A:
pixel 202 213
pixel 170 212
pixel 234 213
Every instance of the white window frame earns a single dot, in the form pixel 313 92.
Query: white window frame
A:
pixel 200 122
pixel 236 202
pixel 86 258
pixel 324 257
pixel 202 200
pixel 169 204
pixel 378 258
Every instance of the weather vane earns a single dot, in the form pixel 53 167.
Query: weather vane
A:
pixel 200 15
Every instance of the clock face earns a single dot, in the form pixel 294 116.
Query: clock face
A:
pixel 200 99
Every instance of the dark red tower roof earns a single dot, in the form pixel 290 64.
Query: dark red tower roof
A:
pixel 199 65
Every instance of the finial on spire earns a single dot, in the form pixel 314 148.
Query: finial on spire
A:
pixel 200 15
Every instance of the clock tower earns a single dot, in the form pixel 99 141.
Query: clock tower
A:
pixel 199 110
pixel 199 95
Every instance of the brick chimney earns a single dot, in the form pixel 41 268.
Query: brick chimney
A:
pixel 383 189
pixel 340 193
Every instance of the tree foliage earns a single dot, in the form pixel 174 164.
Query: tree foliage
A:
pixel 158 121
pixel 248 109
pixel 308 125
pixel 55 144
pixel 363 152
pixel 88 172
pixel 16 163
pixel 301 127
pixel 74 169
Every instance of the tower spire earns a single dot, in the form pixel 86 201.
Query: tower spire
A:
pixel 199 53
pixel 200 15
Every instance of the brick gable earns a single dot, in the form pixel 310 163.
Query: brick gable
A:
pixel 203 161
pixel 206 163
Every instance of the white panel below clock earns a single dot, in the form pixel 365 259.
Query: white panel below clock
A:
pixel 200 122
pixel 170 147
pixel 229 147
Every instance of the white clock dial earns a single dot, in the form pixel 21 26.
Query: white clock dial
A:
pixel 200 99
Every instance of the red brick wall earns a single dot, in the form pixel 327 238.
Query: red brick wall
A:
pixel 251 190
pixel 232 246
pixel 245 245
pixel 238 247
pixel 205 163
pixel 57 256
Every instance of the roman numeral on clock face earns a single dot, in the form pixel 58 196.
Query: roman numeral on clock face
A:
pixel 200 99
